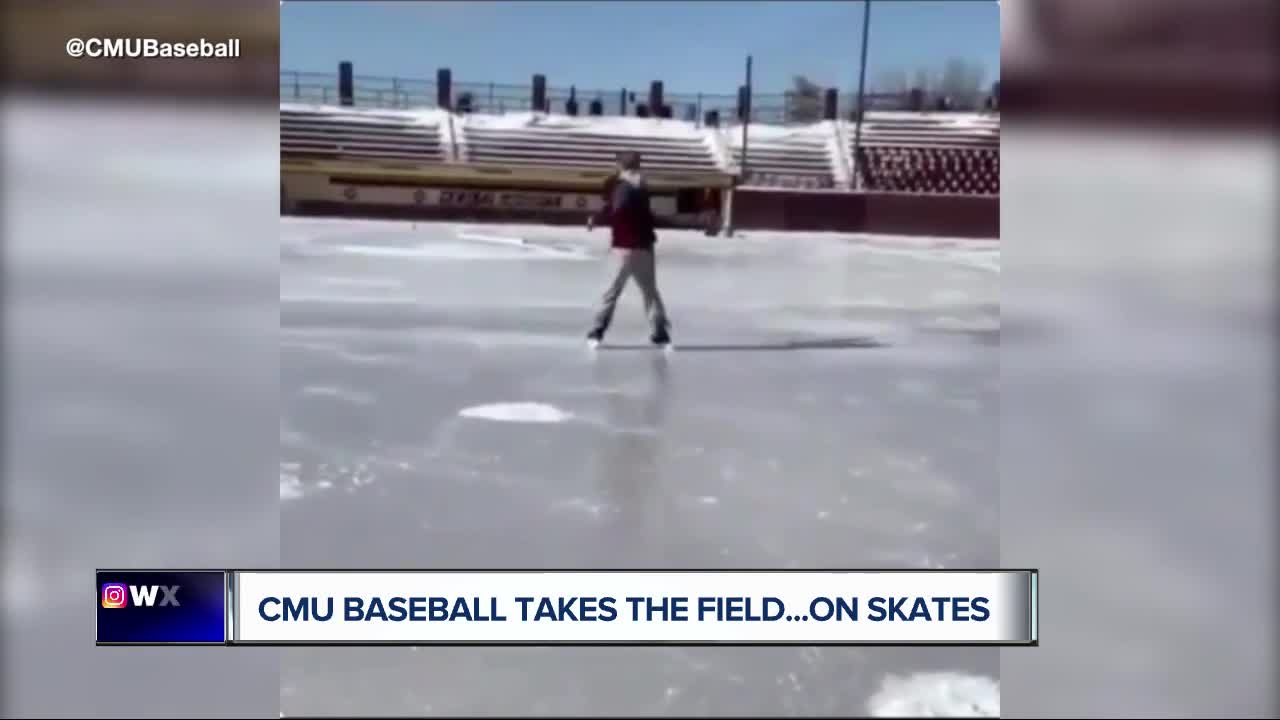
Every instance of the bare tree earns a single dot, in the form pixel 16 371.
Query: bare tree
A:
pixel 962 81
pixel 891 82
pixel 804 101
pixel 924 81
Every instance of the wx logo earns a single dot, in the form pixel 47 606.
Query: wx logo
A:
pixel 118 595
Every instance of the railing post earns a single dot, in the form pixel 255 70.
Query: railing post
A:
pixel 699 109
pixel 346 85
pixel 539 99
pixel 656 100
pixel 444 89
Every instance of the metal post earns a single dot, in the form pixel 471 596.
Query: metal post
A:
pixel 746 122
pixel 742 162
pixel 862 97
pixel 727 225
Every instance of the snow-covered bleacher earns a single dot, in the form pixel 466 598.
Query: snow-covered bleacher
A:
pixel 931 153
pixel 788 157
pixel 311 131
pixel 536 140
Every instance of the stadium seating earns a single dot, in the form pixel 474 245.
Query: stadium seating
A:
pixel 934 154
pixel 538 141
pixel 919 153
pixel 330 133
pixel 792 158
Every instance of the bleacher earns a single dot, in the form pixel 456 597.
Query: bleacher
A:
pixel 534 140
pixel 792 158
pixel 398 120
pixel 939 153
pixel 343 134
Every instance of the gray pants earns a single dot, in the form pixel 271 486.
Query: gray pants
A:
pixel 640 265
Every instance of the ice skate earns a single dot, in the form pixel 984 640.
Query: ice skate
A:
pixel 661 339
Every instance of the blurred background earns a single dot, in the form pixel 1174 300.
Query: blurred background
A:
pixel 140 231
pixel 1137 354
pixel 140 256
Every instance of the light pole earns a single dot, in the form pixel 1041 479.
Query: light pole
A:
pixel 746 121
pixel 862 89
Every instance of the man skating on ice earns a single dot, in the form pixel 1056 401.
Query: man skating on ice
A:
pixel 631 256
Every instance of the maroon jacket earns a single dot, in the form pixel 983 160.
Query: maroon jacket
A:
pixel 626 209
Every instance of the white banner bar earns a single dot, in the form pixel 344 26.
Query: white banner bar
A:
pixel 635 608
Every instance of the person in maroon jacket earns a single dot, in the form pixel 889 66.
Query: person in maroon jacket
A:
pixel 632 237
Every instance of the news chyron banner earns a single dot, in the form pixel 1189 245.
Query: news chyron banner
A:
pixel 162 607
pixel 359 607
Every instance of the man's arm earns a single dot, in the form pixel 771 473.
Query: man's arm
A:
pixel 603 215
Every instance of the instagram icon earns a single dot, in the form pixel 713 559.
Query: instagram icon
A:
pixel 114 595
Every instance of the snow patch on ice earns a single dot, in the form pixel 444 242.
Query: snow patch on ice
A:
pixel 581 505
pixel 486 238
pixel 526 247
pixel 516 412
pixel 349 396
pixel 371 283
pixel 435 251
pixel 290 484
pixel 936 695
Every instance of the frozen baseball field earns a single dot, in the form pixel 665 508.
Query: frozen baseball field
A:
pixel 832 402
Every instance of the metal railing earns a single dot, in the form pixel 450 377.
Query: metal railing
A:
pixel 367 91
pixel 499 98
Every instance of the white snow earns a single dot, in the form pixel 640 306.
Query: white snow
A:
pixel 425 117
pixel 520 412
pixel 468 249
pixel 615 126
pixel 342 394
pixel 936 695
pixel 487 238
pixel 774 135
pixel 290 484
pixel 644 127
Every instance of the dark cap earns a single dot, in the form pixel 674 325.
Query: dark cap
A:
pixel 629 160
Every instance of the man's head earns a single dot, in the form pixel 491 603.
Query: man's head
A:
pixel 629 160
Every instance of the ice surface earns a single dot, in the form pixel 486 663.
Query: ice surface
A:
pixel 833 404
pixel 140 377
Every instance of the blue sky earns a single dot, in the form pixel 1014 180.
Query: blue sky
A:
pixel 605 44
